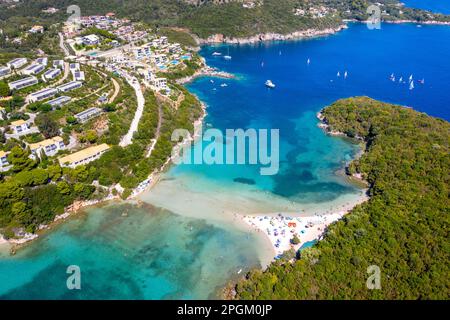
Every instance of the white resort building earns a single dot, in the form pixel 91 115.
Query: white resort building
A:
pixel 142 52
pixel 158 84
pixel 50 147
pixel 79 76
pixel 20 127
pixel 4 164
pixel 84 156
pixel 52 74
pixel 70 86
pixel 42 95
pixel 43 61
pixel 5 71
pixel 58 64
pixel 34 69
pixel 88 114
pixel 17 63
pixel 23 83
pixel 59 102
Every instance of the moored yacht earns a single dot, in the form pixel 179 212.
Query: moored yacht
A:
pixel 270 84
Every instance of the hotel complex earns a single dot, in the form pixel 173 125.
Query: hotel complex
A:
pixel 50 147
pixel 84 156
pixel 23 83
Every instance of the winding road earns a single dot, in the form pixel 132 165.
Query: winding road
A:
pixel 127 139
pixel 157 133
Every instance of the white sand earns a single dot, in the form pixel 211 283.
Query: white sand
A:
pixel 281 228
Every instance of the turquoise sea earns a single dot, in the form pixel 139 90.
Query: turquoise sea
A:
pixel 184 242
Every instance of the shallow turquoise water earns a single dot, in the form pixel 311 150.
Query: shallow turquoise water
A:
pixel 162 254
pixel 151 254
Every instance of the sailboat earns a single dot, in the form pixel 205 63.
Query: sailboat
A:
pixel 215 53
pixel 308 62
pixel 410 78
pixel 345 75
pixel 422 81
pixel 227 57
pixel 262 64
pixel 411 85
pixel 400 80
pixel 270 84
pixel 338 74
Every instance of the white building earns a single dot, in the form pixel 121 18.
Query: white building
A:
pixel 42 95
pixel 2 113
pixel 4 164
pixel 70 86
pixel 23 83
pixel 142 52
pixel 17 63
pixel 84 156
pixel 37 29
pixel 59 102
pixel 43 61
pixel 34 69
pixel 50 147
pixel 74 67
pixel 20 127
pixel 91 40
pixel 79 76
pixel 52 74
pixel 88 114
pixel 159 84
pixel 58 64
pixel 164 40
pixel 4 71
pixel 159 59
pixel 147 73
pixel 175 48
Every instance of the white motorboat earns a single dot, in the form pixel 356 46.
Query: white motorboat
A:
pixel 270 84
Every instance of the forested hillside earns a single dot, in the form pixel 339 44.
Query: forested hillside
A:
pixel 230 18
pixel 403 229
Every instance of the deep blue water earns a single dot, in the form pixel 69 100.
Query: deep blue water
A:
pixel 369 57
pixel 439 6
pixel 156 254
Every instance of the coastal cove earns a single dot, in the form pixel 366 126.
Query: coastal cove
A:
pixel 186 241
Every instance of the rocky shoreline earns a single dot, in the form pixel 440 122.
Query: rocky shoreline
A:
pixel 206 72
pixel 356 177
pixel 264 37
pixel 303 34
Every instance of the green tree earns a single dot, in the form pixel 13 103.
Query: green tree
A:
pixel 20 160
pixel 48 127
pixel 4 89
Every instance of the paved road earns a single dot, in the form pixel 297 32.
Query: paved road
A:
pixel 157 133
pixel 127 139
pixel 116 90
pixel 62 45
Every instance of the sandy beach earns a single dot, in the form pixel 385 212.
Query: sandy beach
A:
pixel 281 228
